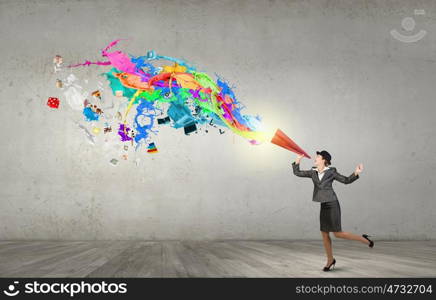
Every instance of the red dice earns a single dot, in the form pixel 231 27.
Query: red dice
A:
pixel 53 102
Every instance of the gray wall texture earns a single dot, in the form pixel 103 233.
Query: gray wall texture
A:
pixel 328 73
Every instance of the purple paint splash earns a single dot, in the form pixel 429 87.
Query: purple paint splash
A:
pixel 122 133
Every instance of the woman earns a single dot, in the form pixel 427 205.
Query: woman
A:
pixel 330 215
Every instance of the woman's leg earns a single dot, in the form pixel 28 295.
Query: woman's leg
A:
pixel 350 236
pixel 327 246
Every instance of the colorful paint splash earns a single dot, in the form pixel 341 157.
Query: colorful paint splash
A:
pixel 191 98
pixel 150 93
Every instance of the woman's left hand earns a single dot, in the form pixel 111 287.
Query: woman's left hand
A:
pixel 359 169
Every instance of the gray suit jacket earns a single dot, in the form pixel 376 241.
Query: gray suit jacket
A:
pixel 323 190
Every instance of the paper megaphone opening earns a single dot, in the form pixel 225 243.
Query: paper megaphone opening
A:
pixel 282 140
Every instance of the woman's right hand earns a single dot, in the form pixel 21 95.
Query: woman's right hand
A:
pixel 298 159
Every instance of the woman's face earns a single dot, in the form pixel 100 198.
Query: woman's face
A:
pixel 319 161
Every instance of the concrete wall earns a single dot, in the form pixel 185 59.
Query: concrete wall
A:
pixel 328 73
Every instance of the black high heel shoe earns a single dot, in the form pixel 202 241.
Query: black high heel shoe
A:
pixel 371 243
pixel 330 266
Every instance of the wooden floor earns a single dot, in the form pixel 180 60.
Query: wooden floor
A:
pixel 214 259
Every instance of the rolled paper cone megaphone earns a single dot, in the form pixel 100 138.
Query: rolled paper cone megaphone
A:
pixel 282 140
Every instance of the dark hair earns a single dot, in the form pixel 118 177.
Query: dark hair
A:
pixel 327 162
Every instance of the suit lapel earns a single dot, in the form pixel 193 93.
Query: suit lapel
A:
pixel 323 177
pixel 325 174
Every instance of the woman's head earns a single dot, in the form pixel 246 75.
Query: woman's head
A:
pixel 323 158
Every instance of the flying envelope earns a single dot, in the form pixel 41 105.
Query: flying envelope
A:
pixel 282 140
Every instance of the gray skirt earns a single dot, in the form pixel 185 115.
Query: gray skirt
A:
pixel 330 216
